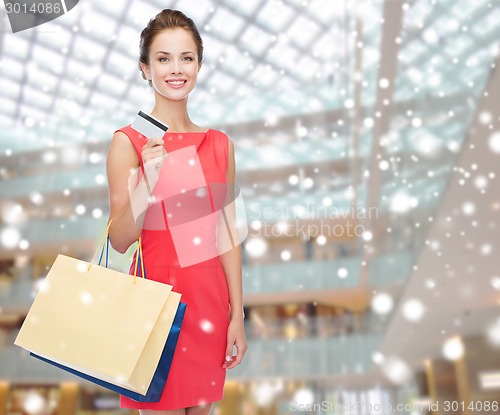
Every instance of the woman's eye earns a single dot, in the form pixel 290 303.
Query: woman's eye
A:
pixel 164 59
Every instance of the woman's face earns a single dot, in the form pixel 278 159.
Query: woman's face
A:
pixel 173 64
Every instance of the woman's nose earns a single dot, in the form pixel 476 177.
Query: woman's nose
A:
pixel 176 67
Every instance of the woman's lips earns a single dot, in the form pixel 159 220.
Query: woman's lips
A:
pixel 176 83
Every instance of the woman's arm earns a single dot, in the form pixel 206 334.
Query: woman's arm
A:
pixel 128 196
pixel 121 162
pixel 231 262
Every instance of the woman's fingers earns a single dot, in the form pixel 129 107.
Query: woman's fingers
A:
pixel 235 360
pixel 153 142
pixel 153 149
pixel 157 156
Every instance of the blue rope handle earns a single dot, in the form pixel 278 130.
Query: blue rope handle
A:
pixel 102 252
pixel 139 261
pixel 139 270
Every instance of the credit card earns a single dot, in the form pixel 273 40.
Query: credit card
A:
pixel 149 126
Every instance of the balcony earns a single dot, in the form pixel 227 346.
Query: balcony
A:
pixel 308 357
pixel 289 277
pixel 305 357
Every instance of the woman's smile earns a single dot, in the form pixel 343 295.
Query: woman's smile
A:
pixel 176 83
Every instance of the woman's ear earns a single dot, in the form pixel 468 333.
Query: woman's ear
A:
pixel 199 66
pixel 147 72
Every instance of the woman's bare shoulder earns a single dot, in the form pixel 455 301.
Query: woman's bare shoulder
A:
pixel 121 148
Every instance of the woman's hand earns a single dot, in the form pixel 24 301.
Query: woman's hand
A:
pixel 153 156
pixel 153 149
pixel 235 336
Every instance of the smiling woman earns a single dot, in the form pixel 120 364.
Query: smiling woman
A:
pixel 173 62
pixel 171 53
pixel 187 56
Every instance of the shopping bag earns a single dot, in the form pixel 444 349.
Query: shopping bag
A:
pixel 155 389
pixel 114 329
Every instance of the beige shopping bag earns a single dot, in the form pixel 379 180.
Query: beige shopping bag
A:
pixel 101 322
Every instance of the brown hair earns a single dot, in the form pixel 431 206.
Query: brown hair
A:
pixel 166 19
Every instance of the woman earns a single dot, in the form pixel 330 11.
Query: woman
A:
pixel 171 53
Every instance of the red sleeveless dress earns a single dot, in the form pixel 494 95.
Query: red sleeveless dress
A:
pixel 196 374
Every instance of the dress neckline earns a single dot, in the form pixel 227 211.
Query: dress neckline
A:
pixel 188 132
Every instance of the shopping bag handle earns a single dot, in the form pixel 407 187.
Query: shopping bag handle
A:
pixel 139 258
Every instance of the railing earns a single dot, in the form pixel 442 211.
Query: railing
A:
pixel 274 278
pixel 307 357
pixel 317 326
pixel 298 276
pixel 60 230
pixel 53 182
pixel 390 268
pixel 17 365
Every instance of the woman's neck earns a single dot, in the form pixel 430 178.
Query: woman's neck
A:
pixel 174 114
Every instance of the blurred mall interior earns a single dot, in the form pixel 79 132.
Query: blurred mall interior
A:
pixel 367 144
